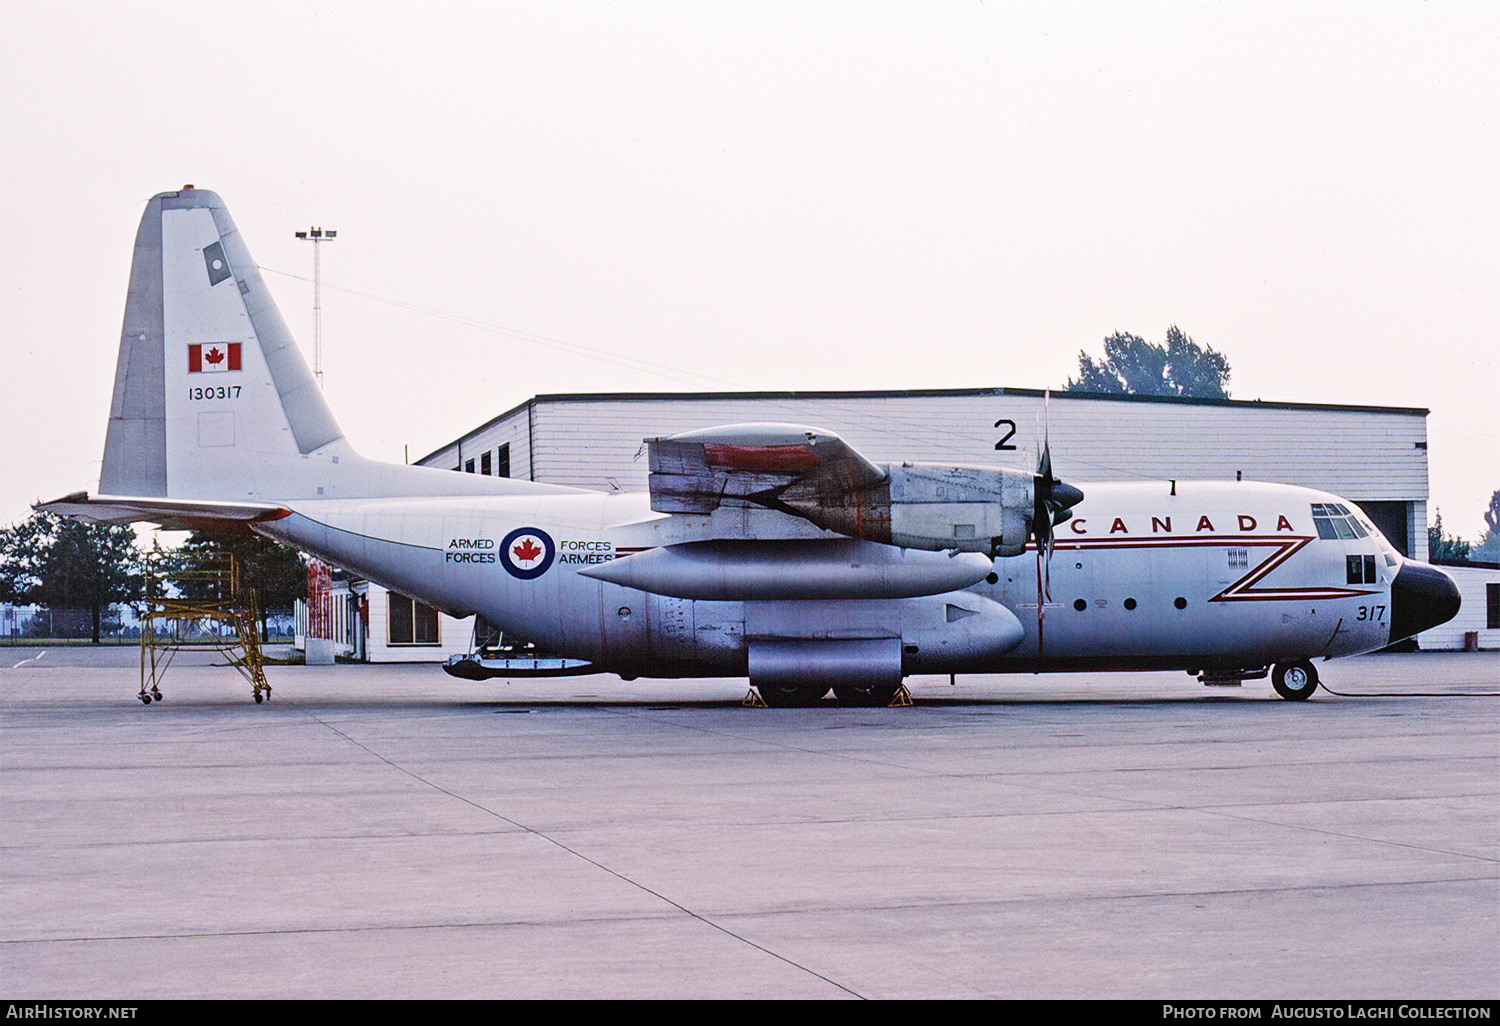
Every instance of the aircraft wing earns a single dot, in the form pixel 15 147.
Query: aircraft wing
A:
pixel 171 514
pixel 754 464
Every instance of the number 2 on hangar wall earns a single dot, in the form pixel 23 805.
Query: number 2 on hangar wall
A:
pixel 1004 443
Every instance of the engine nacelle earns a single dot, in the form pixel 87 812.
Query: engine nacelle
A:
pixel 930 506
pixel 974 509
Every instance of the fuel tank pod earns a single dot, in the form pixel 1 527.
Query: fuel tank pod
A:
pixel 837 568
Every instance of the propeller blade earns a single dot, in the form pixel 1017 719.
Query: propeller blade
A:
pixel 1044 539
pixel 1051 502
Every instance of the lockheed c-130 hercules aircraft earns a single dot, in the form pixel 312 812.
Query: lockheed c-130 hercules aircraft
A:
pixel 771 551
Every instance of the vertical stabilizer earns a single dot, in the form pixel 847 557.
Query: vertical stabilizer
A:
pixel 212 396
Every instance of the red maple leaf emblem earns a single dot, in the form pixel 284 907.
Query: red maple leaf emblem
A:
pixel 214 355
pixel 526 551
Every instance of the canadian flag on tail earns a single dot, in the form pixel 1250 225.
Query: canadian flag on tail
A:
pixel 205 357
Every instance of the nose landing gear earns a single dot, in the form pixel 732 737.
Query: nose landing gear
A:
pixel 1295 681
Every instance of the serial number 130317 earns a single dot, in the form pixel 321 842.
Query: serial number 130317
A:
pixel 212 392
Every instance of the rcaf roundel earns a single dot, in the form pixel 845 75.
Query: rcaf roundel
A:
pixel 209 357
pixel 527 552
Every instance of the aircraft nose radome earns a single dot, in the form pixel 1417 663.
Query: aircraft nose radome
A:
pixel 1422 597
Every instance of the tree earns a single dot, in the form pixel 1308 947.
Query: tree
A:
pixel 1133 366
pixel 1443 547
pixel 65 564
pixel 1488 549
pixel 276 573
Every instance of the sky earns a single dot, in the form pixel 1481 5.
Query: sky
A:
pixel 647 196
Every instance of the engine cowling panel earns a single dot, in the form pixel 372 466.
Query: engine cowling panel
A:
pixel 928 506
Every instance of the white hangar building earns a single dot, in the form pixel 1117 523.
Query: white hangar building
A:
pixel 1374 456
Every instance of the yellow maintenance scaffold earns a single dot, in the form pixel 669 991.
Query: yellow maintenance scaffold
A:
pixel 196 604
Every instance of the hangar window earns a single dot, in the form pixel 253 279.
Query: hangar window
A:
pixel 411 622
pixel 484 463
pixel 469 467
pixel 1492 606
pixel 502 461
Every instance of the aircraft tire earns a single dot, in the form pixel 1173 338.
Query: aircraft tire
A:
pixel 874 695
pixel 784 697
pixel 1295 681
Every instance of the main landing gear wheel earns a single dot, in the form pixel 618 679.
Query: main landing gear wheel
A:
pixel 1295 681
pixel 780 697
pixel 877 695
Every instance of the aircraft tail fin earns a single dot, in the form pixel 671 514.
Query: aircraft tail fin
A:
pixel 209 383
pixel 213 400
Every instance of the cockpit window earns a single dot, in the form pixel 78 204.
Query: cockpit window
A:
pixel 1361 570
pixel 1333 520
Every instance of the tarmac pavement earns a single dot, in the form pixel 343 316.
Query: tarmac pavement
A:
pixel 390 832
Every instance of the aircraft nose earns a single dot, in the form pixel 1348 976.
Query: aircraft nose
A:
pixel 1422 596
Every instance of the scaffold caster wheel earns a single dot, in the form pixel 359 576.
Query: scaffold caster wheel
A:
pixel 155 695
pixel 145 698
pixel 259 698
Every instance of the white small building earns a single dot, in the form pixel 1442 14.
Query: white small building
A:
pixel 367 623
pixel 1477 625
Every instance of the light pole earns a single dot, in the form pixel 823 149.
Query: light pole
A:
pixel 317 236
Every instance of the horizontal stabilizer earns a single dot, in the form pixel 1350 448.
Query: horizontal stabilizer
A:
pixel 171 514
